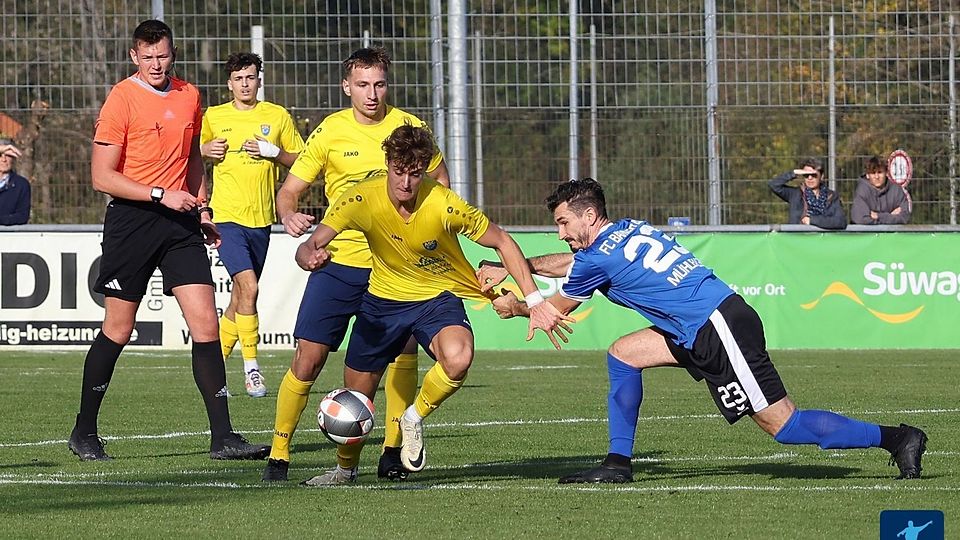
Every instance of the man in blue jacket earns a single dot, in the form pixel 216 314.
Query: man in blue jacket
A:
pixel 14 189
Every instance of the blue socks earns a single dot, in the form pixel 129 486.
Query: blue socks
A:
pixel 623 405
pixel 828 430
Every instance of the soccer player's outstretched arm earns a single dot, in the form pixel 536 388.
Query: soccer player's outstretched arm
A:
pixel 555 265
pixel 543 315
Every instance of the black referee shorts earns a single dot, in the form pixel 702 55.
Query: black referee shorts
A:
pixel 138 238
pixel 730 353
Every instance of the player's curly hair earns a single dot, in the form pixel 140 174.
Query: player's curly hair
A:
pixel 579 195
pixel 238 61
pixel 151 32
pixel 410 148
pixel 367 57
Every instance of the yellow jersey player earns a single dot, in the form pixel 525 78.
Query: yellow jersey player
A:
pixel 343 150
pixel 248 140
pixel 419 280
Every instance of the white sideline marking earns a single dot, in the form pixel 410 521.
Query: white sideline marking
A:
pixel 491 423
pixel 898 487
pixel 275 369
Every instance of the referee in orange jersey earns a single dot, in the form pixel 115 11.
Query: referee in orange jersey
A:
pixel 146 156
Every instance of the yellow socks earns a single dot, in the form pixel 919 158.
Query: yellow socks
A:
pixel 248 330
pixel 400 387
pixel 228 335
pixel 291 401
pixel 436 388
pixel 348 455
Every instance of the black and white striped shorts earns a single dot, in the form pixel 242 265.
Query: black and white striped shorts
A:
pixel 730 353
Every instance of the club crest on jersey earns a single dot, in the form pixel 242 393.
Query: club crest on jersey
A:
pixel 265 129
pixel 431 245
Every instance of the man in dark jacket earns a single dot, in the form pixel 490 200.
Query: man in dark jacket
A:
pixel 812 203
pixel 877 201
pixel 14 189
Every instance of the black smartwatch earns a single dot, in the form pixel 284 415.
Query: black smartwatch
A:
pixel 156 194
pixel 207 209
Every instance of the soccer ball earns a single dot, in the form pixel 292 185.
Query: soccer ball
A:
pixel 345 416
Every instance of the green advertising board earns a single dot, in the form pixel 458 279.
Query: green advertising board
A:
pixel 813 290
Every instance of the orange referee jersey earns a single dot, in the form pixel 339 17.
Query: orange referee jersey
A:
pixel 155 130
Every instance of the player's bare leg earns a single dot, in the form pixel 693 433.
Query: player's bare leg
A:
pixel 453 347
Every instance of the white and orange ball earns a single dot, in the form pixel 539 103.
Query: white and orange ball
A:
pixel 345 416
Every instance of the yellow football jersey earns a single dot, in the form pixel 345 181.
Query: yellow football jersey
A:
pixel 244 188
pixel 342 152
pixel 419 258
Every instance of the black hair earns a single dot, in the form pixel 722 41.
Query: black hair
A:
pixel 151 32
pixel 579 195
pixel 238 61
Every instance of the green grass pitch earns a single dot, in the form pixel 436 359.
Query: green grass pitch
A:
pixel 495 450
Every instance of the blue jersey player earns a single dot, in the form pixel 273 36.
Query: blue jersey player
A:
pixel 699 323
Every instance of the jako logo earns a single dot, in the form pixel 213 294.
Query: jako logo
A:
pixel 898 282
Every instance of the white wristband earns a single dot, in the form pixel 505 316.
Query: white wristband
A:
pixel 533 299
pixel 268 149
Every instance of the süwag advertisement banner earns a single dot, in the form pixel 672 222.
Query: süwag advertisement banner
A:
pixel 813 291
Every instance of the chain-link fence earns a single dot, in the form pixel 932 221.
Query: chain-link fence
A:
pixel 845 80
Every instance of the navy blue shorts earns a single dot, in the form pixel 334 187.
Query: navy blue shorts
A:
pixel 138 238
pixel 243 248
pixel 331 298
pixel 384 326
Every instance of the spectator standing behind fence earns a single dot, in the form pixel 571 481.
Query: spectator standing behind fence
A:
pixel 877 201
pixel 14 189
pixel 812 203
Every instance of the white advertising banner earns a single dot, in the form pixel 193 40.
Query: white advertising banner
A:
pixel 47 301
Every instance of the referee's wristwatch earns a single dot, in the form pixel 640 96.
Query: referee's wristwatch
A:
pixel 156 194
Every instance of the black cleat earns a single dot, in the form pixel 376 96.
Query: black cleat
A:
pixel 601 474
pixel 87 447
pixel 909 451
pixel 234 446
pixel 275 471
pixel 390 466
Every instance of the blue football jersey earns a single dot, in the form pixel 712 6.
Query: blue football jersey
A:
pixel 639 267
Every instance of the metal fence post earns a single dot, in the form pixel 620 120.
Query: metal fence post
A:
pixel 459 148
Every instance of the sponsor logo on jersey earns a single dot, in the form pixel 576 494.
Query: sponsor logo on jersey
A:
pixel 397 238
pixel 351 153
